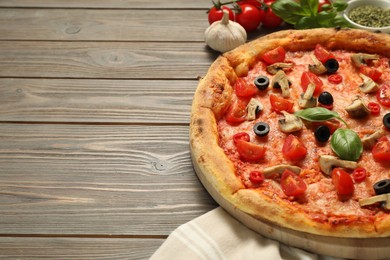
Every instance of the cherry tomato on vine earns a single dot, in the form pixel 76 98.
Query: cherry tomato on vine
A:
pixel 249 17
pixel 271 20
pixel 292 184
pixel 216 14
pixel 255 3
pixel 383 95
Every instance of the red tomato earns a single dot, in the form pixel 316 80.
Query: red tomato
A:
pixel 216 14
pixel 237 112
pixel 292 184
pixel 321 3
pixel 375 108
pixel 381 150
pixel 276 55
pixel 256 3
pixel 293 149
pixel 342 182
pixel 244 89
pixel 383 95
pixel 280 104
pixel 309 77
pixel 373 73
pixel 322 54
pixel 241 136
pixel 249 151
pixel 332 124
pixel 249 17
pixel 271 20
pixel 335 78
pixel 256 177
pixel 359 174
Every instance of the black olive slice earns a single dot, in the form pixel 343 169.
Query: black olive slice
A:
pixel 262 82
pixel 261 129
pixel 386 120
pixel 325 98
pixel 331 65
pixel 322 133
pixel 382 187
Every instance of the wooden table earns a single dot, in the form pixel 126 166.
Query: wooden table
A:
pixel 95 100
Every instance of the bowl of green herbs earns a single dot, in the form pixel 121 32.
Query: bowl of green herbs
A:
pixel 372 15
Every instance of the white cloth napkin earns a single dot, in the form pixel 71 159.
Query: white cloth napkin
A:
pixel 217 235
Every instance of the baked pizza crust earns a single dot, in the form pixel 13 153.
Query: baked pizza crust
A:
pixel 211 100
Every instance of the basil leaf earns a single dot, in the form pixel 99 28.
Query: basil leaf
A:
pixel 340 5
pixel 289 10
pixel 346 144
pixel 310 6
pixel 323 18
pixel 316 114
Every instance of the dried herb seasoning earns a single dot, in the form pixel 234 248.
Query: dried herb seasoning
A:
pixel 370 16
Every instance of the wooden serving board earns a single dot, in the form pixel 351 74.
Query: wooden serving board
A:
pixel 352 248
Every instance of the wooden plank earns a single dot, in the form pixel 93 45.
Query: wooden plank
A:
pixel 125 60
pixel 97 180
pixel 77 248
pixel 96 101
pixel 152 4
pixel 103 25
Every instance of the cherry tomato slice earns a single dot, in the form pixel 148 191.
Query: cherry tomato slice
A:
pixel 276 55
pixel 280 104
pixel 292 184
pixel 244 89
pixel 359 174
pixel 216 14
pixel 381 150
pixel 373 73
pixel 342 181
pixel 383 95
pixel 237 112
pixel 293 149
pixel 311 78
pixel 249 17
pixel 256 177
pixel 249 151
pixel 335 78
pixel 322 54
pixel 241 136
pixel 375 108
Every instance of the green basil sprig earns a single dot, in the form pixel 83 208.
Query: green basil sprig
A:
pixel 304 14
pixel 346 144
pixel 318 114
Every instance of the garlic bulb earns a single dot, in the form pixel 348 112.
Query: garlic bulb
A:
pixel 225 35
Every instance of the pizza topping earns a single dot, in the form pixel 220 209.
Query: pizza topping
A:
pixel 375 108
pixel 311 78
pixel 359 174
pixel 328 162
pixel 261 129
pixel 368 85
pixel 249 151
pixel 281 81
pixel 360 59
pixel 318 114
pixel 290 123
pixel 279 169
pixel 343 183
pixel 383 198
pixel 370 140
pixel 346 144
pixel 276 55
pixel 262 82
pixel 383 95
pixel 322 133
pixel 293 149
pixel 357 109
pixel 254 107
pixel 306 99
pixel 292 184
pixel 236 113
pixel 256 177
pixel 322 54
pixel 335 78
pixel 332 65
pixel 325 98
pixel 381 150
pixel 274 68
pixel 382 187
pixel 386 120
pixel 372 73
pixel 279 104
pixel 241 136
pixel 317 68
pixel 244 89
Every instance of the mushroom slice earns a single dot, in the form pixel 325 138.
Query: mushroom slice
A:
pixel 280 80
pixel 359 59
pixel 328 162
pixel 370 140
pixel 368 85
pixel 279 169
pixel 357 109
pixel 317 68
pixel 384 198
pixel 306 99
pixel 290 123
pixel 254 107
pixel 274 68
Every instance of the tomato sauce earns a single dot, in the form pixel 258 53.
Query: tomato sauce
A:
pixel 321 201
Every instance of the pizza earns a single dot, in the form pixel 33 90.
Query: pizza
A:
pixel 293 129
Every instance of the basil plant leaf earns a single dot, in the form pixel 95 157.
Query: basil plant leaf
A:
pixel 310 6
pixel 289 10
pixel 340 5
pixel 346 144
pixel 325 19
